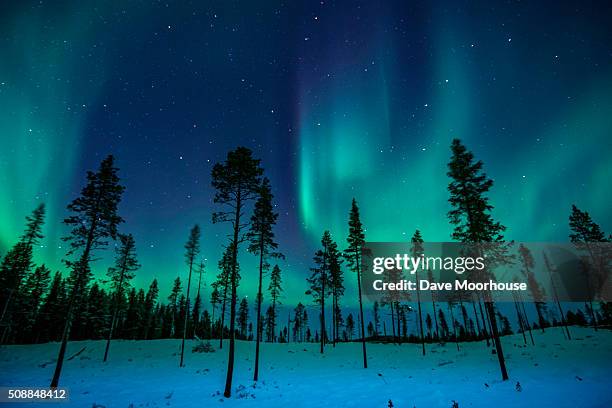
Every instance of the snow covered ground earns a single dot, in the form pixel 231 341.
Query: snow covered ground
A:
pixel 555 373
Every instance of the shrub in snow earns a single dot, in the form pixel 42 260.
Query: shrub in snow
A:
pixel 203 347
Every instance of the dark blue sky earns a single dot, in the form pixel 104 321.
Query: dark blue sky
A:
pixel 338 99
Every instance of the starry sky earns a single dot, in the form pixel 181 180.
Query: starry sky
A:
pixel 338 99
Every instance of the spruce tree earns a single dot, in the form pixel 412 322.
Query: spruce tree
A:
pixel 471 217
pixel 243 318
pixel 319 280
pixel 376 315
pixel 120 276
pixel 262 243
pixel 192 249
pixel 30 300
pixel 536 290
pixel 336 278
pixel 587 236
pixel 275 290
pixel 173 304
pixel 149 310
pixel 356 239
pixel 93 221
pixel 236 181
pixel 18 261
pixel 222 287
pixel 51 312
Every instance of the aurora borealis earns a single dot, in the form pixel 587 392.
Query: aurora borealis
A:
pixel 338 99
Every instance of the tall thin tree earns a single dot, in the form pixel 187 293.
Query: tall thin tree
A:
pixel 120 275
pixel 192 249
pixel 93 221
pixel 261 239
pixel 356 239
pixel 236 181
pixel 471 217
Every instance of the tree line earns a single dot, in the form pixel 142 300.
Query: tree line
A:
pixel 38 307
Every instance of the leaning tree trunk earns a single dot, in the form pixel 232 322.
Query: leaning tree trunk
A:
pixel 82 270
pixel 495 334
pixel 115 312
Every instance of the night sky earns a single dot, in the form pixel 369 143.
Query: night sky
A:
pixel 339 100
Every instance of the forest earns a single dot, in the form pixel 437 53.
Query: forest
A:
pixel 41 306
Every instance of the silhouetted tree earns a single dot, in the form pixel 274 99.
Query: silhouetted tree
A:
pixel 261 243
pixel 94 219
pixel 356 239
pixel 319 279
pixel 120 276
pixel 243 318
pixel 471 217
pixel 275 289
pixel 192 249
pixel 236 181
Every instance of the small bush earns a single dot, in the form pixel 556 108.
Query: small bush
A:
pixel 203 347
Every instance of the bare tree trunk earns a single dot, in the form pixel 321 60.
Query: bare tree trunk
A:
pixel 115 311
pixel 450 309
pixel 484 322
pixel 498 347
pixel 363 339
pixel 187 313
pixel 519 318
pixel 420 314
pixel 525 318
pixel 476 318
pixel 259 299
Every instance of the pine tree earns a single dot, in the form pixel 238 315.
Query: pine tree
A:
pixel 222 287
pixel 336 283
pixel 275 289
pixel 192 249
pixel 417 250
pixel 428 322
pixel 149 309
pixel 587 236
pixel 376 319
pixel 471 217
pixel 319 279
pixel 243 318
pixel 94 219
pixel 261 239
pixel 269 320
pixel 52 310
pixel 120 275
pixel 537 292
pixel 236 181
pixel 215 300
pixel 355 240
pixel 30 300
pixel 18 262
pixel 173 304
pixel 299 320
pixel 350 326
pixel 198 302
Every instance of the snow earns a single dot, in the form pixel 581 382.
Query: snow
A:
pixel 553 373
